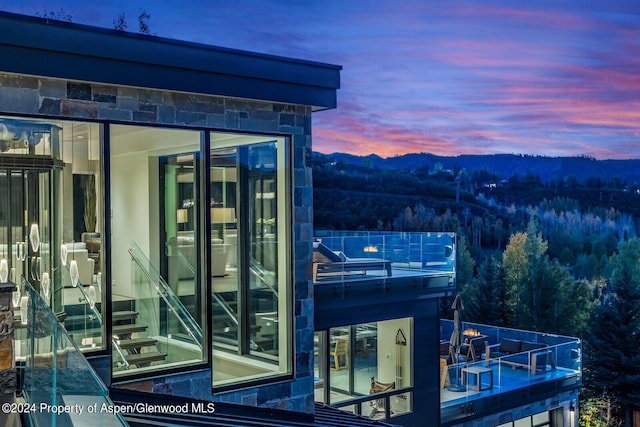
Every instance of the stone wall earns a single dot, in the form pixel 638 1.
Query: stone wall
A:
pixel 7 368
pixel 61 99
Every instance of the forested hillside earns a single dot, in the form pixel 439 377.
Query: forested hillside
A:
pixel 558 254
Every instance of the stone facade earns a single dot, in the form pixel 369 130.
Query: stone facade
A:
pixel 61 99
pixel 7 368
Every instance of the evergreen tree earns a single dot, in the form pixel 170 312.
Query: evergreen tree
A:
pixel 574 306
pixel 488 300
pixel 465 266
pixel 614 343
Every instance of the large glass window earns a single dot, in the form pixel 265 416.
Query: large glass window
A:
pixel 549 418
pixel 156 249
pixel 359 360
pixel 51 221
pixel 250 259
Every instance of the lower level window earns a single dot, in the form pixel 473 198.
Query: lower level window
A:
pixel 365 359
pixel 552 418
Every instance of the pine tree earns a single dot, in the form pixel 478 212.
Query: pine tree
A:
pixel 488 300
pixel 613 347
pixel 465 265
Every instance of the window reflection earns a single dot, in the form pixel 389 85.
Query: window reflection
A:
pixel 250 275
pixel 51 180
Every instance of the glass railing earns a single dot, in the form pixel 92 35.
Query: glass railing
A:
pixel 58 383
pixel 506 360
pixel 345 256
pixel 379 406
pixel 157 330
pixel 82 317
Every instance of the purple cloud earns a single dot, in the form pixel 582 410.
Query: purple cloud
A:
pixel 544 77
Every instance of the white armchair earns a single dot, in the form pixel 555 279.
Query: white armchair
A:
pixel 219 259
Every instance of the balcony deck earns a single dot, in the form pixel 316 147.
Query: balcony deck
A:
pixel 384 257
pixel 513 384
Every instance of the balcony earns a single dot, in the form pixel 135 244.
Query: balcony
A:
pixel 488 385
pixel 368 264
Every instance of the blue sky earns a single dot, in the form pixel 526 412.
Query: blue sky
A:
pixel 542 77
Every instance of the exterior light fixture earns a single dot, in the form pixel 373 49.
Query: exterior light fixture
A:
pixel 371 249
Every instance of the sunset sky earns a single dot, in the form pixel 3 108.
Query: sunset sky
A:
pixel 545 77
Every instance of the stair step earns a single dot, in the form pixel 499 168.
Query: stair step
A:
pixel 80 319
pixel 128 329
pixel 137 343
pixel 141 358
pixel 124 315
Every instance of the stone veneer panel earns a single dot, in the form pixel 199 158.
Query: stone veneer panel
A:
pixel 7 368
pixel 57 98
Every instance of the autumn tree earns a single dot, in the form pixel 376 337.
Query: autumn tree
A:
pixel 542 292
pixel 516 271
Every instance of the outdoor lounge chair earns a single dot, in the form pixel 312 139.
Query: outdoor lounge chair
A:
pixel 327 262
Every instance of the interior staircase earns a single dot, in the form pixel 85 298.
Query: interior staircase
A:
pixel 139 350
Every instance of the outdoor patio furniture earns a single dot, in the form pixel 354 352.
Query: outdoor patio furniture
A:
pixel 327 263
pixel 474 348
pixel 445 380
pixel 477 378
pixel 533 356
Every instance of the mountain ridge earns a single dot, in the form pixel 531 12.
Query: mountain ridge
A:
pixel 503 165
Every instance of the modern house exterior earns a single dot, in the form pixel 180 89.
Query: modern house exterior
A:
pixel 383 351
pixel 157 246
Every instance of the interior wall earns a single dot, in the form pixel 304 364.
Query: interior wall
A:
pixel 129 217
pixel 388 351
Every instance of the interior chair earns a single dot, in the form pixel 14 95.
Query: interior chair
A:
pixel 379 404
pixel 340 352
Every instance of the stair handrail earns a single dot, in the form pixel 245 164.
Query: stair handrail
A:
pixel 176 306
pixel 225 308
pixel 116 345
pixel 257 269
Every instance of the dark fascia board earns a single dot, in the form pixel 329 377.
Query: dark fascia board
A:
pixel 49 48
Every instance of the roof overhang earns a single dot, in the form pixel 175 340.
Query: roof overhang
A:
pixel 41 47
